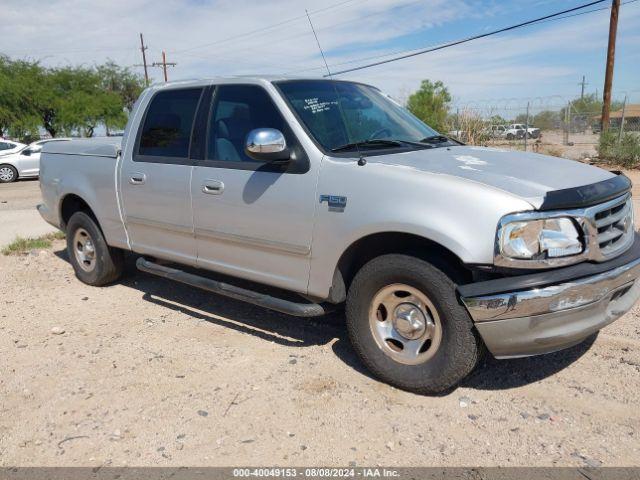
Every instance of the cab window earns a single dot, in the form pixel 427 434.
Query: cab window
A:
pixel 166 133
pixel 236 111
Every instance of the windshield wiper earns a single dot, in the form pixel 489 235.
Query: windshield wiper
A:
pixel 368 143
pixel 380 142
pixel 436 139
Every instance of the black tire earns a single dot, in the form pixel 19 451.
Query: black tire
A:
pixel 510 136
pixel 106 264
pixel 460 348
pixel 11 174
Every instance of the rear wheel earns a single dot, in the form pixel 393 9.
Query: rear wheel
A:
pixel 8 173
pixel 407 326
pixel 94 262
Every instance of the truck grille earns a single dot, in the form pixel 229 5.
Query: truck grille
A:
pixel 613 226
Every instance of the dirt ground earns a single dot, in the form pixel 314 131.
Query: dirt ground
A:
pixel 581 145
pixel 149 372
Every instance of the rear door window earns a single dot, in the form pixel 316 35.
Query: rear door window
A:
pixel 166 134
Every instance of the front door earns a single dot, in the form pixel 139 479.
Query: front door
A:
pixel 253 220
pixel 155 178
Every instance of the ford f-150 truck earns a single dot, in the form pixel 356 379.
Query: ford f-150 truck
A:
pixel 332 191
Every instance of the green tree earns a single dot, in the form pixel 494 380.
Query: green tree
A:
pixel 521 118
pixel 78 101
pixel 67 100
pixel 547 120
pixel 431 104
pixel 122 81
pixel 19 82
pixel 497 120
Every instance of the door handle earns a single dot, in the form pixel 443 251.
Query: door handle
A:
pixel 137 178
pixel 213 187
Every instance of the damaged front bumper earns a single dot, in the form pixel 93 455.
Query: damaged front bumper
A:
pixel 548 311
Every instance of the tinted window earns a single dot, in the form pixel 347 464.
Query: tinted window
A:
pixel 168 123
pixel 5 146
pixel 237 110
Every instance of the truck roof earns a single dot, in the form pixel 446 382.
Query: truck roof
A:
pixel 235 79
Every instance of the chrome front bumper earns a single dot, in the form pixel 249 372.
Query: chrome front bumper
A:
pixel 549 318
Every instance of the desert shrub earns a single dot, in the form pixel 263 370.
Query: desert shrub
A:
pixel 626 152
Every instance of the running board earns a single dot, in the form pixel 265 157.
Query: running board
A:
pixel 237 293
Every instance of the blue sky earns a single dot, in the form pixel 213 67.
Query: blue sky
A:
pixel 543 63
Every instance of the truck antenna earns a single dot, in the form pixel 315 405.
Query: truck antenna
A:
pixel 361 159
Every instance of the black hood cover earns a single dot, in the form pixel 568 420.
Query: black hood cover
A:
pixel 587 195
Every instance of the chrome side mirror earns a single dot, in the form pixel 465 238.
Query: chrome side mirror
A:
pixel 267 145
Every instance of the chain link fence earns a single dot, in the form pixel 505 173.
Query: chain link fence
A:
pixel 554 125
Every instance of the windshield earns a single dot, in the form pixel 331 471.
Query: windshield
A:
pixel 366 115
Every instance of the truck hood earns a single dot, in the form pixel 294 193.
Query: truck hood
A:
pixel 529 176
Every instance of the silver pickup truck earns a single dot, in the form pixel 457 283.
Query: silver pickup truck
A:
pixel 332 191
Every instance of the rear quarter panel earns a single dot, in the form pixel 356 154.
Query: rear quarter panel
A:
pixel 90 177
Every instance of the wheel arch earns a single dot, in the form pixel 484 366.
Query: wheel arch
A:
pixel 72 203
pixel 373 245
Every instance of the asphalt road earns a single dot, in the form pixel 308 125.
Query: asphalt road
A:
pixel 18 214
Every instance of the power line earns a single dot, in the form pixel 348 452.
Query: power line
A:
pixel 399 52
pixel 469 39
pixel 268 27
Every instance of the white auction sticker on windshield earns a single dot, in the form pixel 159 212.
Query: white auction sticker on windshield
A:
pixel 317 106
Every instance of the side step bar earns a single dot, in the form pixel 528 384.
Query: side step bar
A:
pixel 221 288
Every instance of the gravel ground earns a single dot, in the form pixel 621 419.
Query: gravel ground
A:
pixel 149 372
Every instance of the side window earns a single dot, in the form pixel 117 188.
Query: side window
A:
pixel 237 110
pixel 5 146
pixel 167 125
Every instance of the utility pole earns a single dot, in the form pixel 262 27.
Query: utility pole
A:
pixel 164 64
pixel 583 83
pixel 144 60
pixel 611 51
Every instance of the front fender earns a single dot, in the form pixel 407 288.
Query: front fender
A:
pixel 459 214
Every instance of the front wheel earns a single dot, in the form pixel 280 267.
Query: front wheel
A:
pixel 407 326
pixel 94 262
pixel 8 174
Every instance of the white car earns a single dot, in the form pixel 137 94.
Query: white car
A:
pixel 7 147
pixel 24 163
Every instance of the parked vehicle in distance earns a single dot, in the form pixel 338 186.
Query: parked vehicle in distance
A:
pixel 458 135
pixel 532 132
pixel 24 163
pixel 513 132
pixel 7 147
pixel 329 190
pixel 497 131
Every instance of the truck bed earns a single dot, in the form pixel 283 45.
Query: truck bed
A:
pixel 87 169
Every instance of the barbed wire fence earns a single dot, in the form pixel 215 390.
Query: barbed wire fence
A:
pixel 556 125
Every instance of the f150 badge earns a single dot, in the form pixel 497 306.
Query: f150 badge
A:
pixel 335 202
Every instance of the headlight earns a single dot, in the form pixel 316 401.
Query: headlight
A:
pixel 539 241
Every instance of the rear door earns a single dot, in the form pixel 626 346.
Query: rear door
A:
pixel 156 175
pixel 253 220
